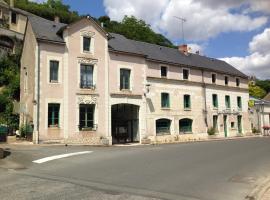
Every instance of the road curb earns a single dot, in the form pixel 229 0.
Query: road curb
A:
pixel 258 192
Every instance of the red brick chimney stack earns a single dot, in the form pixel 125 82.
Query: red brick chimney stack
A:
pixel 57 19
pixel 183 48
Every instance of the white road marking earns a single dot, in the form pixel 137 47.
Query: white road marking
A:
pixel 47 159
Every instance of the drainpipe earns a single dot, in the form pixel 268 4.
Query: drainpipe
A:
pixel 205 104
pixel 38 94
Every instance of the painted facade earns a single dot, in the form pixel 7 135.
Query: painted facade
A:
pixel 122 99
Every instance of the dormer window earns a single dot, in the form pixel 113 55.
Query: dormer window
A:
pixel 214 78
pixel 226 80
pixel 185 74
pixel 237 82
pixel 86 44
pixel 163 72
pixel 13 18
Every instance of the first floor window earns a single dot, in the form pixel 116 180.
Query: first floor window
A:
pixel 54 67
pixel 124 79
pixel 187 102
pixel 53 114
pixel 165 100
pixel 227 101
pixel 163 126
pixel 87 76
pixel 239 102
pixel 226 80
pixel 214 78
pixel 87 116
pixel 237 82
pixel 13 18
pixel 215 100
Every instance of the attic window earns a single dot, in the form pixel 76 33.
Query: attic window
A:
pixel 13 18
pixel 86 44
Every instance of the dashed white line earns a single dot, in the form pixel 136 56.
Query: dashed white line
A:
pixel 47 159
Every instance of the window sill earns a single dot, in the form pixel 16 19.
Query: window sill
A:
pixel 187 109
pixel 165 108
pixel 54 127
pixel 88 130
pixel 126 90
pixel 185 133
pixel 54 82
pixel 162 134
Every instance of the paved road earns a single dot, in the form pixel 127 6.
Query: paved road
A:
pixel 193 171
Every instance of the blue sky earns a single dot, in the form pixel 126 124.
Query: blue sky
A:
pixel 230 30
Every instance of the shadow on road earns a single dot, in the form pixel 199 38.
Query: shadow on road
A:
pixel 4 153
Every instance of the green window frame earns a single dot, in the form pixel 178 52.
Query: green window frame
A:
pixel 185 126
pixel 87 44
pixel 86 116
pixel 163 71
pixel 165 100
pixel 185 74
pixel 125 79
pixel 163 127
pixel 187 101
pixel 54 68
pixel 239 102
pixel 53 114
pixel 227 101
pixel 215 100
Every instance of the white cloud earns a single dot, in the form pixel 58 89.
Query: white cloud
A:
pixel 258 62
pixel 39 1
pixel 205 18
pixel 196 47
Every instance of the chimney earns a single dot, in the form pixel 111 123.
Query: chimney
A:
pixel 57 19
pixel 183 48
pixel 198 52
pixel 11 3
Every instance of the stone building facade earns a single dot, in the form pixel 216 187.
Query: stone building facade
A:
pixel 80 84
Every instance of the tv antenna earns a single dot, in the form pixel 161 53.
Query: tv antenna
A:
pixel 183 20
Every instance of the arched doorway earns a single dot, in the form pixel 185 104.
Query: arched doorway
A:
pixel 125 123
pixel 185 126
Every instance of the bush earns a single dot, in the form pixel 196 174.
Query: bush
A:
pixel 211 131
pixel 254 130
pixel 26 130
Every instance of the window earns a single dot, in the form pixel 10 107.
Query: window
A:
pixel 227 101
pixel 163 72
pixel 86 44
pixel 185 74
pixel 54 67
pixel 237 82
pixel 215 122
pixel 53 114
pixel 185 126
pixel 215 100
pixel 87 76
pixel 163 127
pixel 214 78
pixel 165 100
pixel 187 102
pixel 232 125
pixel 87 116
pixel 239 102
pixel 13 18
pixel 226 80
pixel 124 79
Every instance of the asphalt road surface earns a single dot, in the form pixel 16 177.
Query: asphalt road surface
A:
pixel 226 170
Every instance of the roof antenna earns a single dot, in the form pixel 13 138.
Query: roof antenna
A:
pixel 183 20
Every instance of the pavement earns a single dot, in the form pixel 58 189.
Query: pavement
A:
pixel 229 170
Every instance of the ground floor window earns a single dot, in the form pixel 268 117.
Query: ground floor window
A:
pixel 87 116
pixel 185 126
pixel 163 127
pixel 215 122
pixel 53 114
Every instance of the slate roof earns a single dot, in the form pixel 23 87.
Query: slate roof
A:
pixel 267 97
pixel 49 30
pixel 170 55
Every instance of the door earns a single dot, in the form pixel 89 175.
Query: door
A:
pixel 239 123
pixel 225 125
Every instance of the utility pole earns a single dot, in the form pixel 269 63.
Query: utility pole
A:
pixel 183 20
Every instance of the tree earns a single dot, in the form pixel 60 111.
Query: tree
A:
pixel 264 84
pixel 256 91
